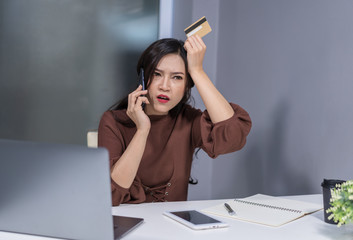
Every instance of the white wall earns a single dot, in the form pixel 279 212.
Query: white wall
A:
pixel 290 65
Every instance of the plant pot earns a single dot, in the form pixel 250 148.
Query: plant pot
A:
pixel 327 185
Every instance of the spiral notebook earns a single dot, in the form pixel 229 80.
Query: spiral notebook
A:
pixel 264 209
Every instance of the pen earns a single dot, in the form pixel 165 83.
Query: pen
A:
pixel 229 209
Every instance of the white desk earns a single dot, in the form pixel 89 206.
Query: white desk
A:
pixel 157 226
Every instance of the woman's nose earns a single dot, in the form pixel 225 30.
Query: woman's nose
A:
pixel 165 84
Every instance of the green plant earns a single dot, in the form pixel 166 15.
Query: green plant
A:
pixel 342 203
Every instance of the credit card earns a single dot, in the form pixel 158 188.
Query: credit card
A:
pixel 200 27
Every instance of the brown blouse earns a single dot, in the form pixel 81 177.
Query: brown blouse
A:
pixel 164 171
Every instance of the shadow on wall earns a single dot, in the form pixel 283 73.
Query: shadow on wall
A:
pixel 268 171
pixel 254 166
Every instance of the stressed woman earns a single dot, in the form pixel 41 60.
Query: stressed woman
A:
pixel 151 148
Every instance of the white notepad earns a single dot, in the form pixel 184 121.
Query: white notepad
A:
pixel 264 209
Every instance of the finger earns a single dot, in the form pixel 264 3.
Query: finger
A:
pixel 132 97
pixel 187 46
pixel 200 41
pixel 144 92
pixel 194 43
pixel 138 103
pixel 131 102
pixel 141 100
pixel 190 48
pixel 137 93
pixel 139 87
pixel 192 40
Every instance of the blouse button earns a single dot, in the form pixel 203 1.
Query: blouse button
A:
pixel 169 184
pixel 166 193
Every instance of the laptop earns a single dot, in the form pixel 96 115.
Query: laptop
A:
pixel 58 190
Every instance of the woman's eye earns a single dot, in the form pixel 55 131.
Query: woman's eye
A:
pixel 178 77
pixel 156 74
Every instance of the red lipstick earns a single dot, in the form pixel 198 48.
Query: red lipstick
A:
pixel 162 98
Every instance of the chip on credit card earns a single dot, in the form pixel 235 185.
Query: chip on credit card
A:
pixel 200 27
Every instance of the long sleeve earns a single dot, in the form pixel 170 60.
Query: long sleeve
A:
pixel 165 166
pixel 110 137
pixel 223 137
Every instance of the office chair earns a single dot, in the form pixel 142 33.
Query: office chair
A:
pixel 92 138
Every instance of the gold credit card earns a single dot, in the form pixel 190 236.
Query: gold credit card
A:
pixel 200 27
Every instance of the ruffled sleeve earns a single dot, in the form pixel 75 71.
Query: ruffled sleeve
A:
pixel 134 194
pixel 223 137
pixel 110 137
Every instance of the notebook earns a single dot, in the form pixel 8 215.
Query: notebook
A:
pixel 264 209
pixel 58 190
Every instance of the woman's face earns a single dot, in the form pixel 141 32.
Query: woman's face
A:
pixel 167 85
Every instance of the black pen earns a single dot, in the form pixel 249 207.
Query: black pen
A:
pixel 229 209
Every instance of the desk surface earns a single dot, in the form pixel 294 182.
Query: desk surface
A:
pixel 157 226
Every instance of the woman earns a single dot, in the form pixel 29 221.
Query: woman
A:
pixel 151 149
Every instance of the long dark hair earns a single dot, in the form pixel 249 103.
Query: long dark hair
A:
pixel 149 60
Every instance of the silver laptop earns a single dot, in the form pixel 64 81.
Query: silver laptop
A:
pixel 59 191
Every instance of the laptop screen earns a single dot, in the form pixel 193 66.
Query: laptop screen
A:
pixel 55 190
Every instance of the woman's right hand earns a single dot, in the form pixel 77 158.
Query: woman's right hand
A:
pixel 135 111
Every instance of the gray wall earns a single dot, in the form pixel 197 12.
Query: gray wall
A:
pixel 64 62
pixel 290 65
pixel 185 13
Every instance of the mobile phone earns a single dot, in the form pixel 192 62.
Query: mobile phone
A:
pixel 195 219
pixel 141 81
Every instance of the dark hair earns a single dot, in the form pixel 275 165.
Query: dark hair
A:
pixel 149 60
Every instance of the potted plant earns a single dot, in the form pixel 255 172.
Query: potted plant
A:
pixel 342 203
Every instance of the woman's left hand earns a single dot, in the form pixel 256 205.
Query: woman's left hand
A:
pixel 196 50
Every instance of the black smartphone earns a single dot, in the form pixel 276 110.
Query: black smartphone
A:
pixel 141 81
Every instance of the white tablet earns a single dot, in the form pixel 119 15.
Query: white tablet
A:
pixel 195 219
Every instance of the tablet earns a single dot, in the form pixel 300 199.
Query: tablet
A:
pixel 195 220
